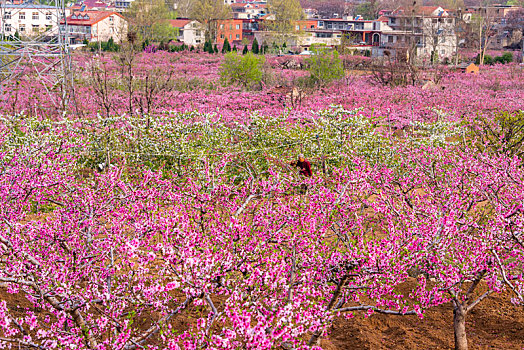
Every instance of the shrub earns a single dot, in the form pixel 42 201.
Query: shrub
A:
pixel 108 46
pixel 488 60
pixel 324 66
pixel 244 70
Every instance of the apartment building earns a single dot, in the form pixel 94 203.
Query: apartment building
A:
pixel 30 20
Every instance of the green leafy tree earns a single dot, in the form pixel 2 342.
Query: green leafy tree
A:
pixel 254 47
pixel 324 65
pixel 226 47
pixel 149 19
pixel 209 13
pixel 286 13
pixel 245 70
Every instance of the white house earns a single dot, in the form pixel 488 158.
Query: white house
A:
pixel 190 32
pixel 249 10
pixel 429 33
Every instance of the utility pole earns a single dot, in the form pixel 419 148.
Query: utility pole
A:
pixel 44 55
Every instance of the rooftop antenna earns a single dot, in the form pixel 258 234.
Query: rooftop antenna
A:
pixel 41 54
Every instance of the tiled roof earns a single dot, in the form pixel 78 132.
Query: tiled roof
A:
pixel 88 18
pixel 179 23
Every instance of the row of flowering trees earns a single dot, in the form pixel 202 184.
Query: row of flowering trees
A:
pixel 227 254
pixel 152 84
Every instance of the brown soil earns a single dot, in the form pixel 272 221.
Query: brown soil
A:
pixel 494 324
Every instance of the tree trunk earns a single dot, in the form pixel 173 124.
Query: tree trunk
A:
pixel 459 325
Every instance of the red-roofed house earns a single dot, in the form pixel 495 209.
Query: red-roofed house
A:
pixel 97 26
pixel 190 32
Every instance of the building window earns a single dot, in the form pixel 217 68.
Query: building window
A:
pixel 35 15
pixel 198 33
pixel 238 36
pixel 230 36
pixel 390 38
pixel 221 36
pixel 48 16
pixel 21 15
pixel 238 26
pixel 7 15
pixel 7 27
pixel 111 19
pixel 393 20
pixel 36 28
pixel 230 27
pixel 22 28
pixel 221 26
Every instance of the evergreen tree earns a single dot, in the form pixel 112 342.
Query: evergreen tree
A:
pixel 254 47
pixel 207 46
pixel 245 50
pixel 111 45
pixel 234 48
pixel 215 49
pixel 226 47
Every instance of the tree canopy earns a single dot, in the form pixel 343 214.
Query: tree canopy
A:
pixel 209 12
pixel 149 20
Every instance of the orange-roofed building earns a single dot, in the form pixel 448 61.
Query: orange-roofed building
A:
pixel 230 29
pixel 96 26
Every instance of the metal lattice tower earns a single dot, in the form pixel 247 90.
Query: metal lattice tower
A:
pixel 34 44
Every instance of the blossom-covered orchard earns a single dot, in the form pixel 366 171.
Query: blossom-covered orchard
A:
pixel 179 223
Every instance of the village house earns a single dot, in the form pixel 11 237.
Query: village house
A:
pixel 96 26
pixel 427 33
pixel 190 32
